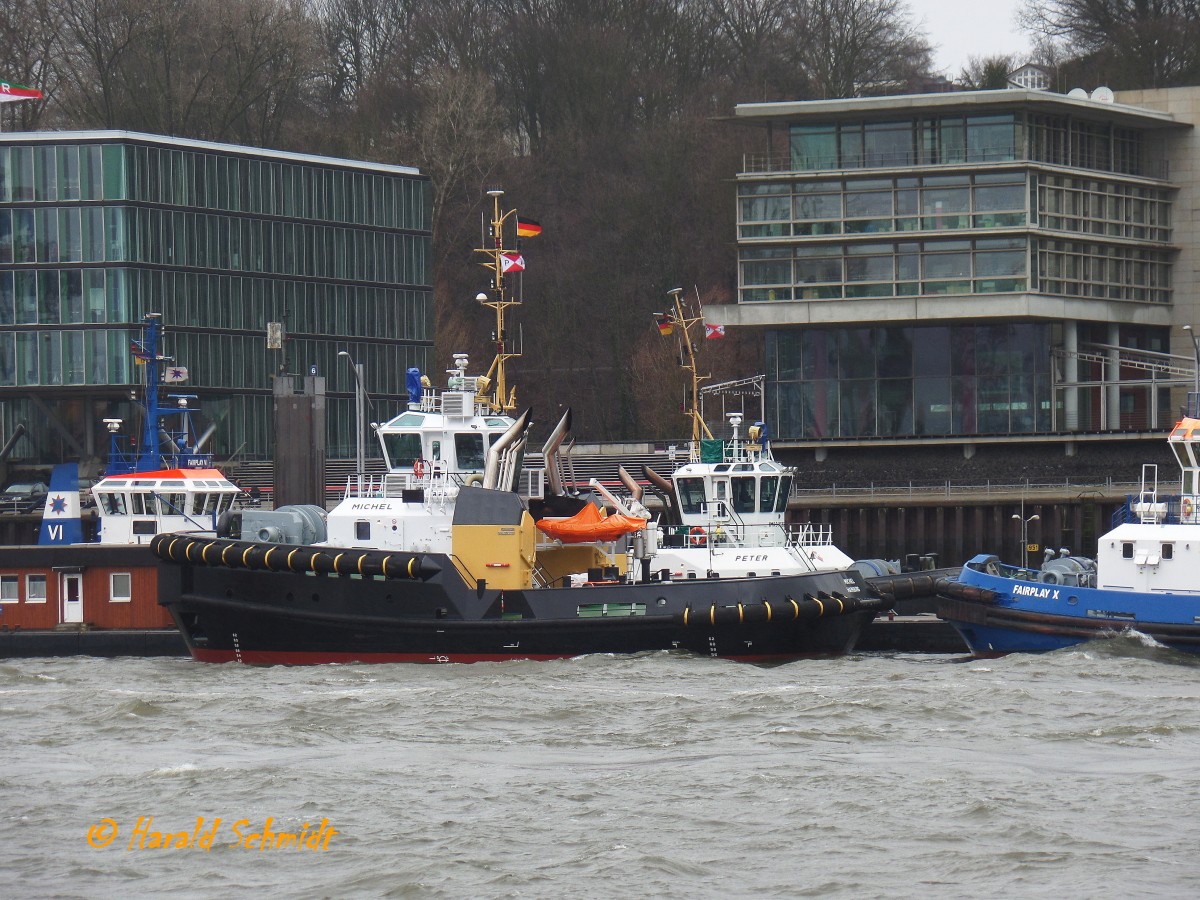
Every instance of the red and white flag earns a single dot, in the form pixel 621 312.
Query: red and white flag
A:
pixel 712 332
pixel 512 262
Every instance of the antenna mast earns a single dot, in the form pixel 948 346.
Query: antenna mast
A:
pixel 502 400
pixel 679 319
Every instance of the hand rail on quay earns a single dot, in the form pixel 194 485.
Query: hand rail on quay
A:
pixel 952 489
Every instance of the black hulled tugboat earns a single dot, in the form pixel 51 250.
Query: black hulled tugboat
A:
pixel 457 554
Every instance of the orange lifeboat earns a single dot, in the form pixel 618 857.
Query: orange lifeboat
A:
pixel 590 524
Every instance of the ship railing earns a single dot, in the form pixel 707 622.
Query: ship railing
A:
pixel 126 462
pixel 1010 570
pixel 810 534
pixel 433 401
pixel 1161 509
pixel 731 450
pixel 380 485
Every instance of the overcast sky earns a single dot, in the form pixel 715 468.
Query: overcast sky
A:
pixel 962 28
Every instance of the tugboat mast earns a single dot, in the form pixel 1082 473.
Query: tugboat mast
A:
pixel 679 319
pixel 502 400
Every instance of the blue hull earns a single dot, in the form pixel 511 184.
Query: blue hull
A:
pixel 998 614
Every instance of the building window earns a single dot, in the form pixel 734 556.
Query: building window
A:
pixel 120 587
pixel 35 588
pixel 938 203
pixel 10 588
pixel 878 382
pixel 830 271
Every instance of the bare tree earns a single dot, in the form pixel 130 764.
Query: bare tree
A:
pixel 459 140
pixel 28 31
pixel 758 51
pixel 460 34
pixel 1134 43
pixel 216 69
pixel 96 38
pixel 363 41
pixel 853 47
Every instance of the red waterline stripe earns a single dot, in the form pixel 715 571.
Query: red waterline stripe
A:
pixel 317 658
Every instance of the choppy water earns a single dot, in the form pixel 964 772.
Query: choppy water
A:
pixel 1068 775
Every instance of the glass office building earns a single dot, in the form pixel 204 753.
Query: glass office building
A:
pixel 982 263
pixel 99 228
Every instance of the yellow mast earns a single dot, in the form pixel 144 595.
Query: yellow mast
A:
pixel 678 318
pixel 501 400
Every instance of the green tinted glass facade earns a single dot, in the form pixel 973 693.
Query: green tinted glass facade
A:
pixel 97 229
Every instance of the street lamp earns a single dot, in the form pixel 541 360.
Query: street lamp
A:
pixel 360 395
pixel 1025 536
pixel 1196 391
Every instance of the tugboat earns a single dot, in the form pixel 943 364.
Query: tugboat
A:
pixel 456 554
pixel 1145 577
pixel 66 595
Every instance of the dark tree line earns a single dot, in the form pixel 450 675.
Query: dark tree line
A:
pixel 599 119
pixel 1125 44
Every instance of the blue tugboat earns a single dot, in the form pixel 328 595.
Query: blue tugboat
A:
pixel 1145 578
pixel 100 597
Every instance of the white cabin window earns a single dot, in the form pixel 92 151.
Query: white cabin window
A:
pixel 468 451
pixel 785 491
pixel 767 490
pixel 1168 551
pixel 1127 550
pixel 10 588
pixel 402 449
pixel 743 495
pixel 120 587
pixel 113 504
pixel 35 588
pixel 362 530
pixel 691 494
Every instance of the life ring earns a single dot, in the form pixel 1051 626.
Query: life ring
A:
pixel 418 468
pixel 698 537
pixel 1187 507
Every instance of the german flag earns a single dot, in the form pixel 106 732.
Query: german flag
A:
pixel 528 228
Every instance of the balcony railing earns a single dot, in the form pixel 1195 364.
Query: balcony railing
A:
pixel 780 163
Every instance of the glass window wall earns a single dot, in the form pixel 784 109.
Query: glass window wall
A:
pixel 909 381
pixel 906 269
pixel 83 266
pixel 875 206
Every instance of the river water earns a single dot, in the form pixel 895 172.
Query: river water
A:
pixel 1073 774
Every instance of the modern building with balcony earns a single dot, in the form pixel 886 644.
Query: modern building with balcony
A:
pixel 1007 266
pixel 99 228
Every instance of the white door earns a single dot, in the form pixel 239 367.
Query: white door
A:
pixel 72 598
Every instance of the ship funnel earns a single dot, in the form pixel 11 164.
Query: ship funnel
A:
pixel 497 470
pixel 550 452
